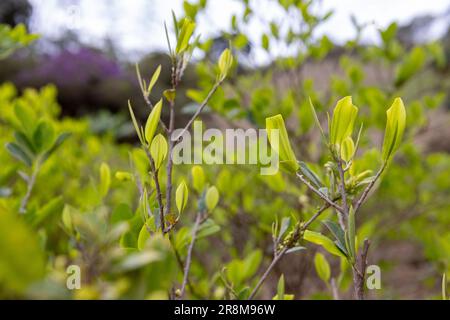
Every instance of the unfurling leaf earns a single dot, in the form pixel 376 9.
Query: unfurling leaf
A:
pixel 187 28
pixel 105 179
pixel 225 63
pixel 212 198
pixel 395 126
pixel 347 149
pixel 181 196
pixel 281 145
pixel 152 122
pixel 158 150
pixel 344 116
pixel 198 178
pixel 322 267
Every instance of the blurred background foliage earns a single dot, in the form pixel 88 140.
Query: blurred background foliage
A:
pixel 84 91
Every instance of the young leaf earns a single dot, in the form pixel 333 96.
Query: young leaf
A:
pixel 316 119
pixel 212 198
pixel 43 136
pixel 184 36
pixel 17 152
pixel 105 179
pixel 198 178
pixel 395 126
pixel 170 95
pixel 310 174
pixel 136 126
pixel 281 145
pixel 347 149
pixel 351 248
pixel 143 237
pixel 152 122
pixel 337 232
pixel 280 288
pixel 344 116
pixel 158 150
pixel 225 63
pixel 322 267
pixel 325 242
pixel 181 196
pixel 123 176
pixel 154 79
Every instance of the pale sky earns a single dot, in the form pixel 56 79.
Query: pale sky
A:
pixel 137 25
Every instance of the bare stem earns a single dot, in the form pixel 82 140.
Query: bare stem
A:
pixel 158 190
pixel 334 289
pixel 199 109
pixel 369 187
pixel 187 264
pixel 320 194
pixel 359 271
pixel 30 185
pixel 275 260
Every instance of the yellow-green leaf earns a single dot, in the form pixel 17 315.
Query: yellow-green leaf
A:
pixel 281 145
pixel 152 122
pixel 343 121
pixel 198 178
pixel 322 267
pixel 154 79
pixel 185 34
pixel 212 198
pixel 135 123
pixel 225 63
pixel 347 149
pixel 395 126
pixel 123 176
pixel 181 196
pixel 158 150
pixel 105 179
pixel 325 242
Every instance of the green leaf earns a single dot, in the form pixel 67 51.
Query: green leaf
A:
pixel 198 178
pixel 395 126
pixel 347 149
pixel 280 288
pixel 187 28
pixel 17 152
pixel 181 196
pixel 43 136
pixel 22 260
pixel 121 213
pixel 207 228
pixel 412 63
pixel 152 122
pixel 144 235
pixel 251 263
pixel 211 198
pixel 310 174
pixel 337 232
pixel 351 248
pixel 135 123
pixel 25 143
pixel 170 94
pixel 225 63
pixel 322 267
pixel 105 179
pixel 25 117
pixel 58 142
pixel 344 116
pixel 275 127
pixel 325 242
pixel 158 150
pixel 316 119
pixel 154 78
pixel 53 207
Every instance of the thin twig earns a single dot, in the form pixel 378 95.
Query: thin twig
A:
pixel 187 265
pixel 30 185
pixel 320 194
pixel 158 190
pixel 342 216
pixel 199 109
pixel 369 187
pixel 275 260
pixel 334 289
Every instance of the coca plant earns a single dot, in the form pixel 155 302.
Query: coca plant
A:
pixel 344 191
